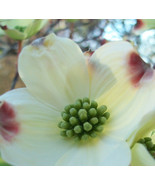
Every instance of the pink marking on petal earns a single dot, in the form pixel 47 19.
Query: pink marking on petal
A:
pixel 138 70
pixel 9 127
pixel 139 24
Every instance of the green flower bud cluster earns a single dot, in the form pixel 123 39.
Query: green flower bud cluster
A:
pixel 83 119
pixel 147 142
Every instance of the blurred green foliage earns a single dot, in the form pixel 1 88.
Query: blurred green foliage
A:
pixel 3 163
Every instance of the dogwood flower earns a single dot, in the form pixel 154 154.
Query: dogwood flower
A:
pixel 75 110
pixel 20 29
pixel 142 142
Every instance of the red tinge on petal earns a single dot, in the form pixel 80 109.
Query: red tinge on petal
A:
pixel 139 24
pixel 9 127
pixel 138 69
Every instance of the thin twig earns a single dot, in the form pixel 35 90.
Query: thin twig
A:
pixel 16 77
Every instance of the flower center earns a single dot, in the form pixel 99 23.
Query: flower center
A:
pixel 147 142
pixel 83 119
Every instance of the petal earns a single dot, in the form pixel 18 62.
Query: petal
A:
pixel 141 157
pixel 107 151
pixel 54 71
pixel 132 96
pixel 39 141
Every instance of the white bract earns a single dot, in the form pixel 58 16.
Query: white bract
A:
pixel 57 73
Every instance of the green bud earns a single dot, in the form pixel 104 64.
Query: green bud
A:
pixel 141 141
pixel 152 153
pixel 83 116
pixel 93 134
pixel 59 124
pixel 73 121
pixel 73 111
pixel 77 129
pixel 65 124
pixel 106 115
pixel 153 147
pixel 92 112
pixel 69 133
pixel 94 104
pixel 83 120
pixel 86 105
pixel 102 120
pixel 94 120
pixel 101 110
pixel 82 111
pixel 99 128
pixel 86 100
pixel 147 139
pixel 77 104
pixel 87 126
pixel 62 113
pixel 85 137
pixel 149 144
pixel 67 108
pixel 79 100
pixel 65 116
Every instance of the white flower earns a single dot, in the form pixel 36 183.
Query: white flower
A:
pixel 56 74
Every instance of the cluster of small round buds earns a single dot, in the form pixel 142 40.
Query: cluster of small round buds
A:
pixel 83 119
pixel 147 142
